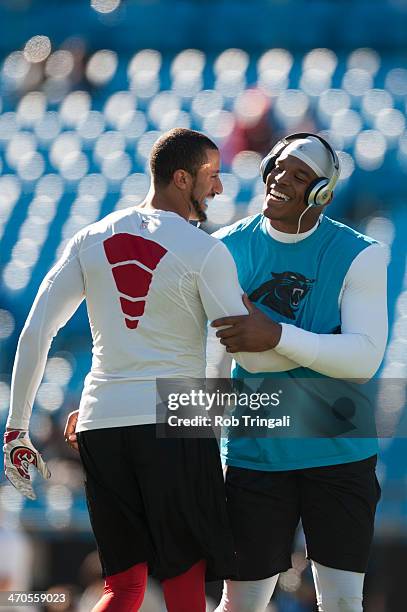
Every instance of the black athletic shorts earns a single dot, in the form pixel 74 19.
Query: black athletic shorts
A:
pixel 336 505
pixel 156 500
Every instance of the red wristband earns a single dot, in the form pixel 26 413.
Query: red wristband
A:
pixel 13 434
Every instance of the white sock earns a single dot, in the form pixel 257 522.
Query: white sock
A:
pixel 247 595
pixel 337 590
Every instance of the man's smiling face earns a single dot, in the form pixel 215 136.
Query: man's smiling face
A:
pixel 206 185
pixel 285 191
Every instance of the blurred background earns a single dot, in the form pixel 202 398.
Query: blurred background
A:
pixel 85 90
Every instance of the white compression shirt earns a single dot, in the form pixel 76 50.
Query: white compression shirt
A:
pixel 151 280
pixel 358 350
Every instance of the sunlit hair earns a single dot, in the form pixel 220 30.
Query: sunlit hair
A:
pixel 178 149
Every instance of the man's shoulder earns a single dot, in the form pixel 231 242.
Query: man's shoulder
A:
pixel 114 218
pixel 98 229
pixel 192 245
pixel 245 225
pixel 348 234
pixel 199 236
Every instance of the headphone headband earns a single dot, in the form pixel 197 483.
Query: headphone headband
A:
pixel 320 191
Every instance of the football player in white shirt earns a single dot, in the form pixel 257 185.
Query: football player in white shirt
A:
pixel 151 281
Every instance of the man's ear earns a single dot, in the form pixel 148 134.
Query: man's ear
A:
pixel 181 179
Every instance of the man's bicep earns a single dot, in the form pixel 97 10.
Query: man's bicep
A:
pixel 219 286
pixel 364 300
pixel 58 297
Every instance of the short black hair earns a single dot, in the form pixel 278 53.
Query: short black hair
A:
pixel 178 149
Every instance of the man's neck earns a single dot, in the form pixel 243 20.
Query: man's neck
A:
pixel 163 200
pixel 308 221
pixel 288 237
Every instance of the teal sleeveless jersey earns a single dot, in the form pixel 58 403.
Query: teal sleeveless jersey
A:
pixel 310 275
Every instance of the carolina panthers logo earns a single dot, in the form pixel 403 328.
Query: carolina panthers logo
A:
pixel 283 293
pixel 21 458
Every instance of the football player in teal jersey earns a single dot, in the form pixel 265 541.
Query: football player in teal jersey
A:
pixel 317 309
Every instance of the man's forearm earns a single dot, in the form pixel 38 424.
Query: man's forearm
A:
pixel 335 355
pixel 58 297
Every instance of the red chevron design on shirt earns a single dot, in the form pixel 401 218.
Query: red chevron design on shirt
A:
pixel 131 279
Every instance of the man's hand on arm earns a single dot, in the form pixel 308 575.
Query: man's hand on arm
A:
pixel 221 297
pixel 19 455
pixel 253 332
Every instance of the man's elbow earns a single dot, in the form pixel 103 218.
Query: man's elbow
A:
pixel 371 362
pixel 29 335
pixel 247 362
pixel 363 370
pixel 365 358
pixel 33 334
pixel 370 369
